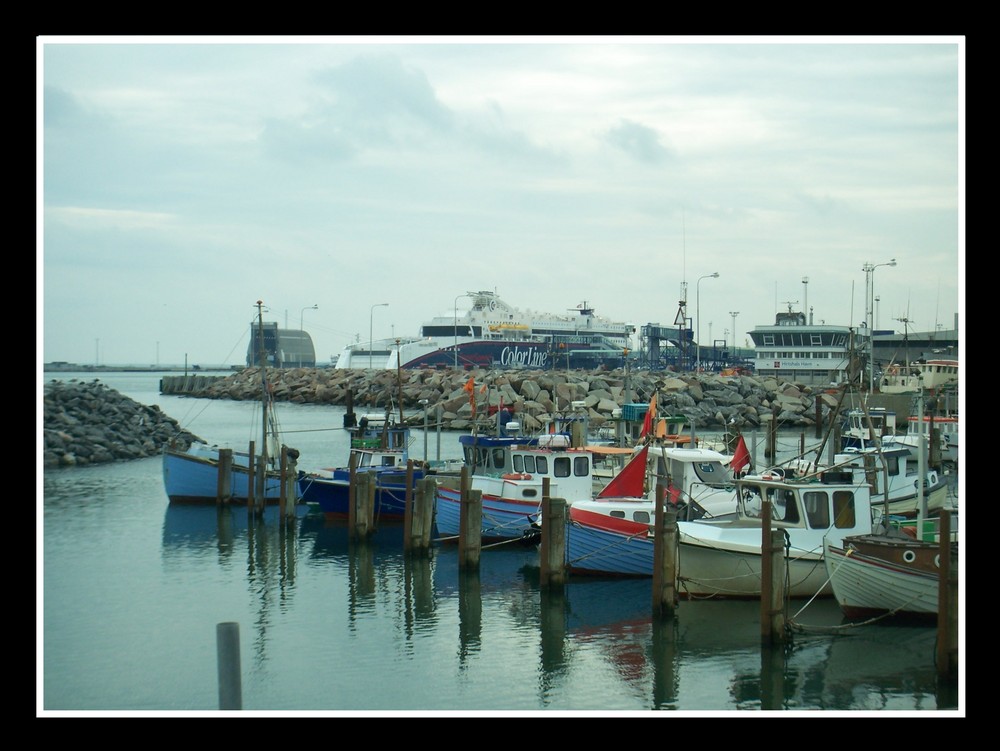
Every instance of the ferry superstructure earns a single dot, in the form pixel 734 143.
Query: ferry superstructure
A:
pixel 811 354
pixel 492 333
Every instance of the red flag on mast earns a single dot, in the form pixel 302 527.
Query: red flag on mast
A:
pixel 630 482
pixel 741 457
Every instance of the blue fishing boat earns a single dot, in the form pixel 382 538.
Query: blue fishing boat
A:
pixel 378 446
pixel 191 474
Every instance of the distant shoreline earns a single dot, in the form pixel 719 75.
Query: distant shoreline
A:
pixel 72 367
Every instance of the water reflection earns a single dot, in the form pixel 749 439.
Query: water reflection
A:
pixel 590 627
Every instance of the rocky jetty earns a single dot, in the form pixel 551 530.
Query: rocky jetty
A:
pixel 90 423
pixel 537 397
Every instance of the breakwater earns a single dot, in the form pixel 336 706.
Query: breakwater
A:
pixel 90 423
pixel 536 397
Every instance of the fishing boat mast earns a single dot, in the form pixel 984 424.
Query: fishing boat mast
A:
pixel 262 361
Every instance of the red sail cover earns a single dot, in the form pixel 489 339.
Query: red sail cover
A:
pixel 630 481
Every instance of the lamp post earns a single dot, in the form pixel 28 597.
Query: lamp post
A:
pixel 371 315
pixel 455 326
pixel 697 312
pixel 734 313
pixel 869 269
pixel 303 312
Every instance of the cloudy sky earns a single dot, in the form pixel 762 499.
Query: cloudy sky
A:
pixel 183 179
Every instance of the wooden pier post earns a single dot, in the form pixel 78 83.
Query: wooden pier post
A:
pixel 224 488
pixel 361 515
pixel 552 553
pixel 420 518
pixel 289 484
pixel 772 580
pixel 227 639
pixel 252 508
pixel 470 525
pixel 946 657
pixel 665 596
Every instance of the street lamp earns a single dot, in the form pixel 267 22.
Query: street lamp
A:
pixel 697 312
pixel 734 313
pixel 455 326
pixel 371 314
pixel 303 311
pixel 869 269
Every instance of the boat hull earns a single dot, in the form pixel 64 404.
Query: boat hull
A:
pixel 192 477
pixel 872 577
pixel 707 566
pixel 503 518
pixel 333 494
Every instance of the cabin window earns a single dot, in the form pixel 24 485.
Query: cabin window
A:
pixel 529 464
pixel 388 461
pixel 561 466
pixel 581 466
pixel 498 458
pixel 518 463
pixel 618 514
pixel 750 498
pixel 528 492
pixel 784 507
pixel 641 516
pixel 817 509
pixel 892 462
pixel 843 509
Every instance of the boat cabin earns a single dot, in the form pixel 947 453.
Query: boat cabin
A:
pixel 379 442
pixel 855 432
pixel 520 460
pixel 819 505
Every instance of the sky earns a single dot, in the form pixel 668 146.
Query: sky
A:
pixel 182 179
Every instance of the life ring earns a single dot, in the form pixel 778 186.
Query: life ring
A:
pixel 516 476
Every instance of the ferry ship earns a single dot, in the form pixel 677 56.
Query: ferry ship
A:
pixel 807 353
pixel 491 333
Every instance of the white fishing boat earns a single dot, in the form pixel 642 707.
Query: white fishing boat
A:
pixel 722 557
pixel 492 333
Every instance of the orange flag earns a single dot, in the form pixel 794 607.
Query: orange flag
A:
pixel 647 421
pixel 470 388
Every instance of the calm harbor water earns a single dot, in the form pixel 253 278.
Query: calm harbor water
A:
pixel 132 591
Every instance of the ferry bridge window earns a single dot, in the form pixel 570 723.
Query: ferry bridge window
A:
pixel 817 509
pixel 843 509
pixel 561 466
pixel 581 466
